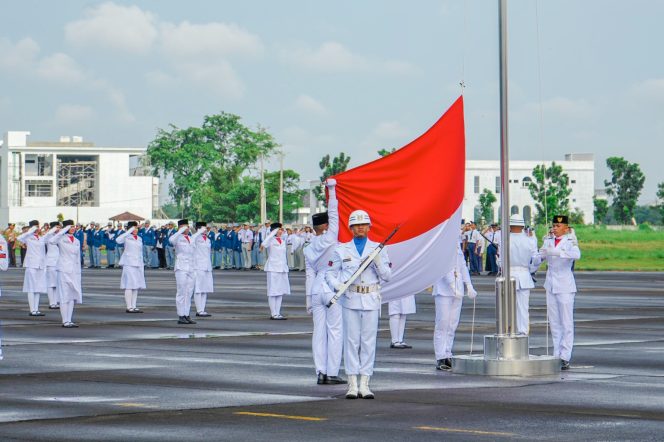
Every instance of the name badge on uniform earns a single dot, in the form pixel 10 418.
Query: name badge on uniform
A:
pixel 347 259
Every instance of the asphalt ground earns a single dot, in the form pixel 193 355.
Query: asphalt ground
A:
pixel 240 376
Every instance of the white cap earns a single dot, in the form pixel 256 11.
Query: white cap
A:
pixel 517 220
pixel 359 217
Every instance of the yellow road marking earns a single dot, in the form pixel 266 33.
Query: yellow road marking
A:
pixel 134 405
pixel 460 430
pixel 282 416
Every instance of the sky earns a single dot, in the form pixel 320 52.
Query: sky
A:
pixel 343 76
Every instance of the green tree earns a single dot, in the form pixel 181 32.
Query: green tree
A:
pixel 625 187
pixel 576 217
pixel 660 199
pixel 550 190
pixel 487 198
pixel 222 144
pixel 386 152
pixel 337 165
pixel 601 209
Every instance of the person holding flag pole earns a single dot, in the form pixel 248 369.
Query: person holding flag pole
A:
pixel 360 300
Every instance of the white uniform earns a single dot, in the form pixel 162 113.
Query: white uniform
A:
pixel 276 269
pixel 52 253
pixel 69 273
pixel 560 289
pixel 203 282
pixel 327 339
pixel 184 270
pixel 4 264
pixel 448 295
pixel 398 309
pixel 361 302
pixel 34 280
pixel 131 261
pixel 523 257
pixel 246 236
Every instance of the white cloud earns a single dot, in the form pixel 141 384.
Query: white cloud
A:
pixel 160 78
pixel 556 109
pixel 649 91
pixel 60 67
pixel 218 77
pixel 187 40
pixel 386 135
pixel 309 104
pixel 73 114
pixel 19 56
pixel 113 26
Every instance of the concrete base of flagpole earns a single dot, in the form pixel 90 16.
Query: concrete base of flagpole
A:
pixel 506 355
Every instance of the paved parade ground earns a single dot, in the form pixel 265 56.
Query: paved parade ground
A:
pixel 239 376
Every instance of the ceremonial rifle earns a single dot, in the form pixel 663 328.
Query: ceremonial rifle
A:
pixel 363 265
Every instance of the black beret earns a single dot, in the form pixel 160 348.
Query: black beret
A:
pixel 53 224
pixel 200 224
pixel 131 224
pixel 183 222
pixel 34 222
pixel 561 219
pixel 67 222
pixel 275 226
pixel 319 218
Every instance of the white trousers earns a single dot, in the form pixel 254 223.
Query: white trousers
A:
pixel 131 297
pixel 360 330
pixel 66 311
pixel 53 298
pixel 448 312
pixel 327 338
pixel 561 318
pixel 275 304
pixel 200 299
pixel 246 255
pixel 33 302
pixel 522 306
pixel 397 327
pixel 185 288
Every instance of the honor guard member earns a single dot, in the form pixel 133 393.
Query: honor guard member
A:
pixel 560 251
pixel 360 302
pixel 4 265
pixel 184 271
pixel 448 296
pixel 131 261
pixel 34 280
pixel 523 256
pixel 398 310
pixel 327 338
pixel 52 253
pixel 202 265
pixel 69 271
pixel 276 269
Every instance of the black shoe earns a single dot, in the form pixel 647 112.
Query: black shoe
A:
pixel 203 314
pixel 189 320
pixel 564 365
pixel 53 307
pixel 443 364
pixel 322 379
pixel 279 318
pixel 36 314
pixel 182 320
pixel 335 380
pixel 397 345
pixel 404 345
pixel 137 310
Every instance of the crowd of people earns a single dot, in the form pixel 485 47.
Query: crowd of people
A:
pixel 343 280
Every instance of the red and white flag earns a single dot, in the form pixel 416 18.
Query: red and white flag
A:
pixel 419 187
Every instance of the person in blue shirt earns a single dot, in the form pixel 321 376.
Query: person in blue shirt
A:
pixel 79 234
pixel 227 245
pixel 218 247
pixel 149 238
pixel 90 242
pixel 236 247
pixel 162 237
pixel 119 248
pixel 98 241
pixel 110 245
pixel 168 247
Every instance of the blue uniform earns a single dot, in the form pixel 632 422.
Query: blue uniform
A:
pixel 97 242
pixel 170 248
pixel 90 242
pixel 110 247
pixel 236 246
pixel 80 236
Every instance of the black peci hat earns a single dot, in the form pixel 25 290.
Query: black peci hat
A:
pixel 131 224
pixel 200 224
pixel 67 223
pixel 561 219
pixel 319 218
pixel 53 224
pixel 274 226
pixel 183 222
pixel 34 222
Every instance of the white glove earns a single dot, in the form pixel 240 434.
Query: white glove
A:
pixel 330 182
pixel 202 230
pixel 131 229
pixel 472 293
pixel 308 305
pixel 182 229
pixel 543 252
pixel 553 251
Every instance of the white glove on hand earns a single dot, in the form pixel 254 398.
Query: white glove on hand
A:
pixel 202 230
pixel 330 182
pixel 472 293
pixel 543 252
pixel 308 305
pixel 182 229
pixel 553 251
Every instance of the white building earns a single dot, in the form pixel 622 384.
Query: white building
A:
pixel 482 174
pixel 81 181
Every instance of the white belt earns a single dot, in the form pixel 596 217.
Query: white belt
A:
pixel 520 269
pixel 364 289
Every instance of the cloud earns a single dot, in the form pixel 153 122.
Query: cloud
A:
pixel 386 135
pixel 113 26
pixel 648 91
pixel 334 57
pixel 60 67
pixel 556 109
pixel 187 40
pixel 19 56
pixel 218 77
pixel 73 114
pixel 309 104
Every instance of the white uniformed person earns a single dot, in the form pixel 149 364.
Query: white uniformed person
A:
pixel 398 310
pixel 69 270
pixel 448 295
pixel 560 251
pixel 327 338
pixel 523 257
pixel 276 269
pixel 34 279
pixel 131 261
pixel 360 303
pixel 203 283
pixel 184 271
pixel 4 265
pixel 52 253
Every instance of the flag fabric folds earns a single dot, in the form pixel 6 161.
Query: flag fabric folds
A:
pixel 419 187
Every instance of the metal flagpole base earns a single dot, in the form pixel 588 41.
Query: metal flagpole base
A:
pixel 506 355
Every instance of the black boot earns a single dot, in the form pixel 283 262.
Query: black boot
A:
pixel 322 379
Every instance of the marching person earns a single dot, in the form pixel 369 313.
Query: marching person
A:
pixel 52 253
pixel 69 271
pixel 202 265
pixel 276 269
pixel 398 310
pixel 327 337
pixel 448 296
pixel 34 280
pixel 131 261
pixel 360 302
pixel 184 271
pixel 560 251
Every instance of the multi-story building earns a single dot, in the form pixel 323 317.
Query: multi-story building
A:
pixel 42 179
